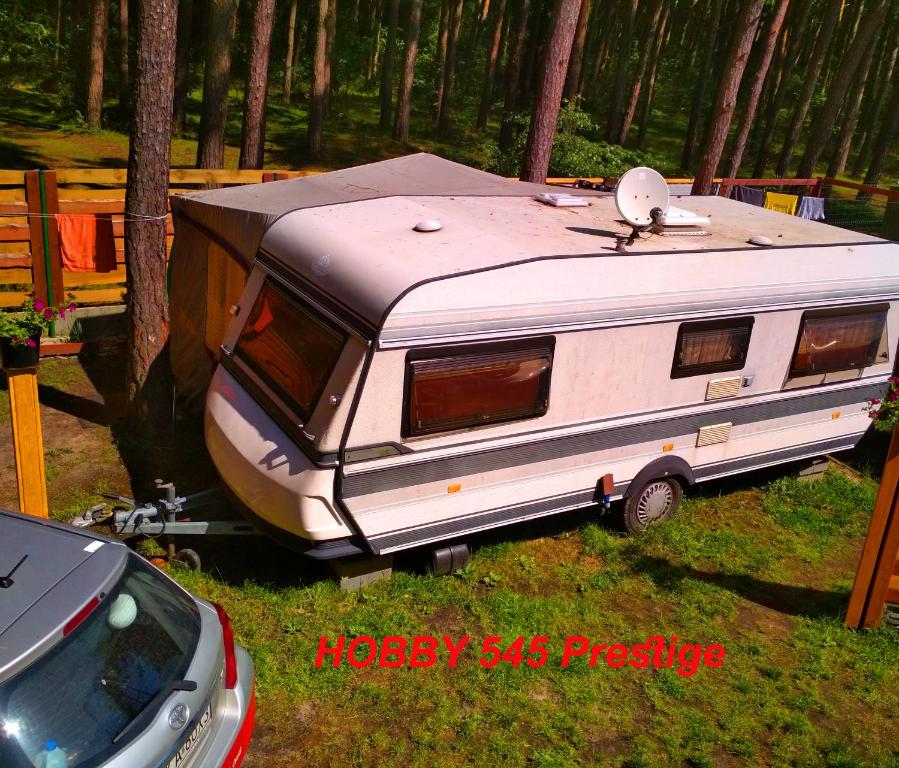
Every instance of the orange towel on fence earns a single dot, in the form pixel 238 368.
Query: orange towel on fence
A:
pixel 86 242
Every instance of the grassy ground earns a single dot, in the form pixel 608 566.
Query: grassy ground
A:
pixel 762 565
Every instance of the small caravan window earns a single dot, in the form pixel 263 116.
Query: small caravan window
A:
pixel 290 347
pixel 838 340
pixel 480 385
pixel 711 347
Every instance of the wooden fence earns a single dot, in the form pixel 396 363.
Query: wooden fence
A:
pixel 30 258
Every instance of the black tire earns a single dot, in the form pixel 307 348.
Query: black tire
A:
pixel 655 502
pixel 189 558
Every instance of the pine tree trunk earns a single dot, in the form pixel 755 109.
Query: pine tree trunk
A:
pixel 884 138
pixel 850 116
pixel 615 111
pixel 696 109
pixel 726 100
pixel 252 144
pixel 538 150
pixel 797 34
pixel 317 94
pixel 97 46
pixel 514 59
pixel 216 79
pixel 440 55
pixel 124 79
pixel 813 71
pixel 826 117
pixel 454 25
pixel 386 94
pixel 645 54
pixel 57 35
pixel 287 88
pixel 646 109
pixel 575 62
pixel 146 195
pixel 769 44
pixel 182 64
pixel 499 13
pixel 404 97
pixel 331 28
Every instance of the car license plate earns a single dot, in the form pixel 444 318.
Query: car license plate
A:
pixel 194 738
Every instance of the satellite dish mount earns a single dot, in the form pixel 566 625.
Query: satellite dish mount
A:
pixel 641 197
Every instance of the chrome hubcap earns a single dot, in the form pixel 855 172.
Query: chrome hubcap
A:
pixel 654 502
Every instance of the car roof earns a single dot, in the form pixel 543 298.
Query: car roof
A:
pixel 51 553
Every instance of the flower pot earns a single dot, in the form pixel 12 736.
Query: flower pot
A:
pixel 13 356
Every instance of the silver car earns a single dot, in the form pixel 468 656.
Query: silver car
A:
pixel 105 661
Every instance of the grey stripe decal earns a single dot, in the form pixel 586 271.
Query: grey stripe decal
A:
pixel 410 537
pixel 488 460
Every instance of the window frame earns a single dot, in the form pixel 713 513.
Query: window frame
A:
pixel 739 322
pixel 485 352
pixel 793 373
pixel 283 400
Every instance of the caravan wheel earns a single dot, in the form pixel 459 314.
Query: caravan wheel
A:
pixel 655 502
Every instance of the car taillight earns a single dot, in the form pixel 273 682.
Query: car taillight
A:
pixel 72 623
pixel 228 642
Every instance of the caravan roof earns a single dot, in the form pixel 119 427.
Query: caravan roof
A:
pixel 349 234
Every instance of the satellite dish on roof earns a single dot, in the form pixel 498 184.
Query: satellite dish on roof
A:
pixel 641 197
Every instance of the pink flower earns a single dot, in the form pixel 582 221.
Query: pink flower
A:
pixel 31 343
pixel 892 395
pixel 893 379
pixel 39 305
pixel 48 313
pixel 72 308
pixel 875 402
pixel 62 311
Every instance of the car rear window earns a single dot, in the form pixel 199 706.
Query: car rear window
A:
pixel 83 691
pixel 291 347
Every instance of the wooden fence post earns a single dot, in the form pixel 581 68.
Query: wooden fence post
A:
pixel 878 560
pixel 46 263
pixel 28 441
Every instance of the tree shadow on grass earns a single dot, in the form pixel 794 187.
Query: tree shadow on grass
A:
pixel 785 598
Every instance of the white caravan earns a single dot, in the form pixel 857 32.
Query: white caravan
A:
pixel 408 352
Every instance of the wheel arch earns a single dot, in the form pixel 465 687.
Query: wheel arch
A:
pixel 665 466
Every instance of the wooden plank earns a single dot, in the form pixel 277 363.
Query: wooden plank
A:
pixel 14 233
pixel 71 279
pixel 58 349
pixel 28 442
pixel 12 177
pixel 92 206
pixel 12 195
pixel 892 595
pixel 52 201
pixel 890 194
pixel 38 264
pixel 10 299
pixel 100 296
pixel 17 247
pixel 15 261
pixel 876 532
pixel 92 194
pixel 92 175
pixel 14 276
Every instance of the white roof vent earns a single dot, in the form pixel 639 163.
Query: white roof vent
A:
pixel 428 225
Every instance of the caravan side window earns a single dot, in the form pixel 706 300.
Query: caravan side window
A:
pixel 478 385
pixel 711 346
pixel 840 340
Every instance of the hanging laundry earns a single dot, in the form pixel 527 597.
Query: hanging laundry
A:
pixel 777 201
pixel 811 208
pixel 751 195
pixel 86 242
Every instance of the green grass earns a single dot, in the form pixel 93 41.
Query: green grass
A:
pixel 798 688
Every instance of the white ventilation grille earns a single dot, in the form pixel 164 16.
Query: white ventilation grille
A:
pixel 718 388
pixel 714 433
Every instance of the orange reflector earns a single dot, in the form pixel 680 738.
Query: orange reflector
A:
pixel 454 488
pixel 668 447
pixel 835 415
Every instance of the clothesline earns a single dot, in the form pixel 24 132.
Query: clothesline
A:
pixel 119 216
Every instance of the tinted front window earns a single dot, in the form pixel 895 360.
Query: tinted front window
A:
pixel 86 689
pixel 291 348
